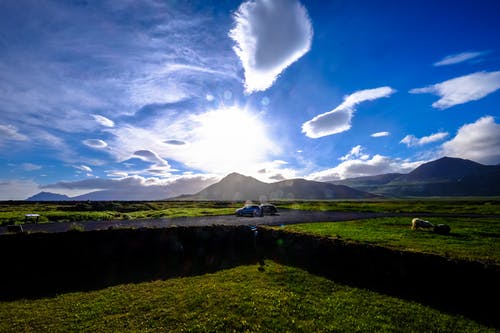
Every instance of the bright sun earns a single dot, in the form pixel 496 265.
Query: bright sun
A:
pixel 229 139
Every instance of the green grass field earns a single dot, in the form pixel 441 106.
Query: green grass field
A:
pixel 470 238
pixel 242 299
pixel 280 298
pixel 420 205
pixel 13 212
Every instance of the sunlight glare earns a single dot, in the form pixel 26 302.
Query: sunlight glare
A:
pixel 231 139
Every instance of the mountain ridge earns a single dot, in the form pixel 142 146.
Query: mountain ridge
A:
pixel 447 176
pixel 237 187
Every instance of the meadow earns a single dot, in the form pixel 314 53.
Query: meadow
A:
pixel 470 238
pixel 242 299
pixel 486 206
pixel 75 211
pixel 279 298
pixel 12 212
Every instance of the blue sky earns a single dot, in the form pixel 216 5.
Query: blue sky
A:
pixel 99 95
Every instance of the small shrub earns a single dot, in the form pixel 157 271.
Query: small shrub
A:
pixel 76 227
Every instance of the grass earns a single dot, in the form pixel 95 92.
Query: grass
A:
pixel 470 238
pixel 73 211
pixel 241 299
pixel 436 205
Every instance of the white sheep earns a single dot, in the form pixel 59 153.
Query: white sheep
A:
pixel 417 223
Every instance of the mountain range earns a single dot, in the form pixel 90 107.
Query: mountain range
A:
pixel 443 177
pixel 236 187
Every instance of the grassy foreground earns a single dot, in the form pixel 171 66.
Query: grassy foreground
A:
pixel 241 299
pixel 470 238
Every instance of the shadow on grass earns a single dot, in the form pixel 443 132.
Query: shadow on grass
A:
pixel 41 265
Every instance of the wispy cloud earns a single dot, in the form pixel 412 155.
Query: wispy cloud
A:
pixel 458 58
pixel 31 166
pixel 462 89
pixel 270 36
pixel 137 186
pixel 83 168
pixel 108 63
pixel 17 189
pixel 412 141
pixel 10 132
pixel 380 134
pixel 339 119
pixel 101 120
pixel 95 143
pixel 208 139
pixel 478 141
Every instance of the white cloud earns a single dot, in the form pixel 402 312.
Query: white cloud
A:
pixel 378 164
pixel 216 141
pixel 117 174
pixel 269 36
pixel 339 119
pixel 10 132
pixel 462 89
pixel 152 157
pixel 83 168
pixel 31 166
pixel 95 143
pixel 15 189
pixel 355 153
pixel 69 74
pixel 458 58
pixel 103 120
pixel 380 134
pixel 412 141
pixel 137 187
pixel 478 141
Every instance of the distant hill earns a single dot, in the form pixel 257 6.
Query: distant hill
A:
pixel 142 194
pixel 446 176
pixel 238 187
pixel 48 196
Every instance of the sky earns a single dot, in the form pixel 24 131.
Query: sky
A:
pixel 174 95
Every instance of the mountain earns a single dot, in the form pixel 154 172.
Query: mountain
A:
pixel 446 176
pixel 238 187
pixel 149 193
pixel 368 183
pixel 48 196
pixel 446 168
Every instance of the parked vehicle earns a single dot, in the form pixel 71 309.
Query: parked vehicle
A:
pixel 268 209
pixel 249 210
